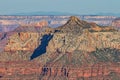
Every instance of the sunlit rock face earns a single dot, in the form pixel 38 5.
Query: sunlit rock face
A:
pixel 41 24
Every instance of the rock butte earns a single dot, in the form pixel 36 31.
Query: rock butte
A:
pixel 77 50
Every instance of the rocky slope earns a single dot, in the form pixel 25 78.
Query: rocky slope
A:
pixel 77 50
pixel 20 43
pixel 24 35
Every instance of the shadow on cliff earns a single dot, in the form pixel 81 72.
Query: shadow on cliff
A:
pixel 107 54
pixel 41 49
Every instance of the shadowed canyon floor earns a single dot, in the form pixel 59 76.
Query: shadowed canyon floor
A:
pixel 77 50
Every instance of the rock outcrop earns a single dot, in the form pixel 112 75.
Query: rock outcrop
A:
pixel 41 24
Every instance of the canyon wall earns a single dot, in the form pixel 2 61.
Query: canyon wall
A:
pixel 116 23
pixel 77 50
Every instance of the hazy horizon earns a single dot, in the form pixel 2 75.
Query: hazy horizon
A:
pixel 81 7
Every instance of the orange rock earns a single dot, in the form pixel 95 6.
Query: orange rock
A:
pixel 41 24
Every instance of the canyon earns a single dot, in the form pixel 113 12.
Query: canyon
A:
pixel 75 50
